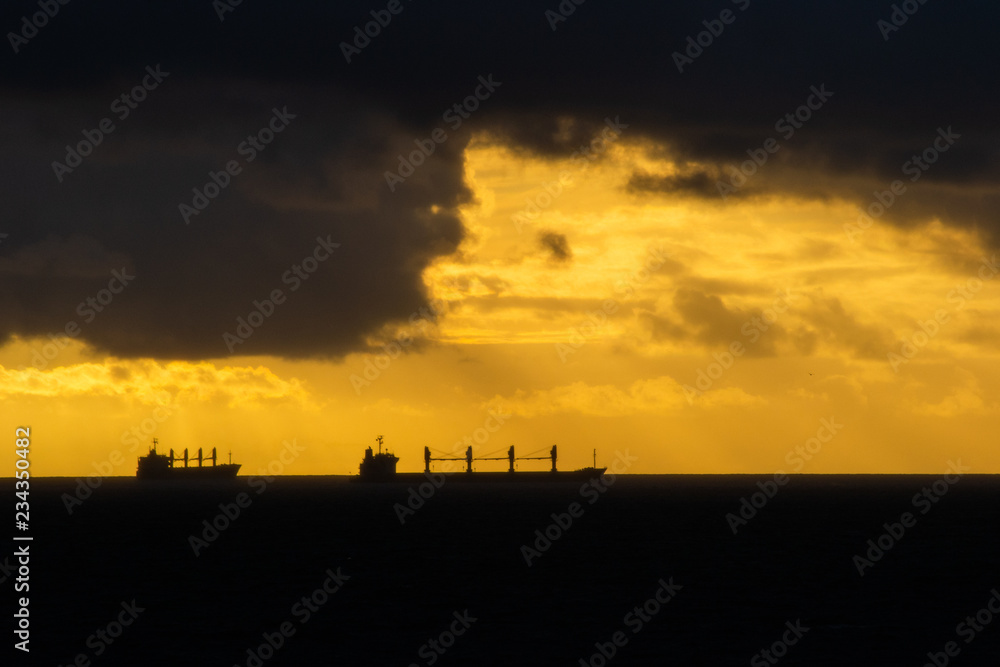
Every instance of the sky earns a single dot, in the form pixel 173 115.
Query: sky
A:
pixel 727 237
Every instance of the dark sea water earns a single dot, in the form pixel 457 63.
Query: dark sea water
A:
pixel 402 585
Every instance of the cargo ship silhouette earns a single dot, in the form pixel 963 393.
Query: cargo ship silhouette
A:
pixel 381 467
pixel 161 466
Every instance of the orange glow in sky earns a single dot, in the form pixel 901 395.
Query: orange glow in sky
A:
pixel 701 336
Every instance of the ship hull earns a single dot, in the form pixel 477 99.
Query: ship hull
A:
pixel 490 477
pixel 221 471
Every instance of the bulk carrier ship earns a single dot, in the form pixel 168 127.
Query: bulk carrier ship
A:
pixel 161 466
pixel 381 467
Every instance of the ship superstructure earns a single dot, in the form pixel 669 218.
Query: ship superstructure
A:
pixel 380 466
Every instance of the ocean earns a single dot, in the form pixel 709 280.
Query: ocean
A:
pixel 647 570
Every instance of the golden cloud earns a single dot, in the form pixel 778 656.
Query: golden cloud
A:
pixel 652 396
pixel 151 382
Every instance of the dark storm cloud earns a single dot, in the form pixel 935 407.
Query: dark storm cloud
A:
pixel 711 322
pixel 556 245
pixel 270 226
pixel 704 319
pixel 834 325
pixel 324 175
pixel 699 183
